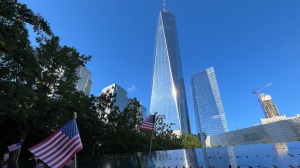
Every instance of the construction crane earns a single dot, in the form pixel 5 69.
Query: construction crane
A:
pixel 259 99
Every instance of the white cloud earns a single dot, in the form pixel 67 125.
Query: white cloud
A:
pixel 132 88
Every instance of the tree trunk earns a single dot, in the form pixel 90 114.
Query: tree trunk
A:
pixel 93 149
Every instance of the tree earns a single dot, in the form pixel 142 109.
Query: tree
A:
pixel 267 140
pixel 37 83
pixel 38 94
pixel 121 134
pixel 214 146
pixel 164 138
pixel 190 141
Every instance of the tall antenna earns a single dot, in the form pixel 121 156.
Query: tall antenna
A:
pixel 164 1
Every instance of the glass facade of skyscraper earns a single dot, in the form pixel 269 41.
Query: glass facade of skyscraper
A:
pixel 84 82
pixel 168 95
pixel 121 99
pixel 208 107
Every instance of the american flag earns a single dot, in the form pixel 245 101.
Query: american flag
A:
pixel 148 123
pixel 60 147
pixel 6 156
pixel 15 146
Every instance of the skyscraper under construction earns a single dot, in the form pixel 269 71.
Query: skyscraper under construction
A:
pixel 268 106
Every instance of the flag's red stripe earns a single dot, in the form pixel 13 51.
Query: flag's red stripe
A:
pixel 58 152
pixel 56 140
pixel 148 129
pixel 64 155
pixel 67 159
pixel 44 142
pixel 73 154
pixel 64 158
pixel 146 126
pixel 58 148
pixel 147 123
pixel 51 152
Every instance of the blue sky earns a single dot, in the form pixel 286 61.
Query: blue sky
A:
pixel 250 43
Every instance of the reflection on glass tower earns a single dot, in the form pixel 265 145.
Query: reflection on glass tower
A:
pixel 84 82
pixel 168 95
pixel 209 112
pixel 280 149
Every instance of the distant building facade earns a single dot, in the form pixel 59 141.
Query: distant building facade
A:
pixel 168 95
pixel 121 95
pixel 144 112
pixel 284 130
pixel 121 98
pixel 208 107
pixel 268 106
pixel 84 82
pixel 273 119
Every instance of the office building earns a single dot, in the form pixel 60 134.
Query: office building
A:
pixel 284 130
pixel 121 95
pixel 84 82
pixel 168 95
pixel 273 119
pixel 208 107
pixel 121 98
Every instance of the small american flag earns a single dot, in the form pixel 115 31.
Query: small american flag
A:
pixel 148 123
pixel 6 156
pixel 15 146
pixel 60 147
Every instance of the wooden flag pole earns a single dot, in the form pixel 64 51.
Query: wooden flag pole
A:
pixel 75 157
pixel 151 142
pixel 3 160
pixel 152 133
pixel 19 154
pixel 35 159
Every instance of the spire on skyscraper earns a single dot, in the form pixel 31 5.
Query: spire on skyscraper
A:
pixel 165 9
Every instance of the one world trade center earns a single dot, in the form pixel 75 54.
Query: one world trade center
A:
pixel 168 95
